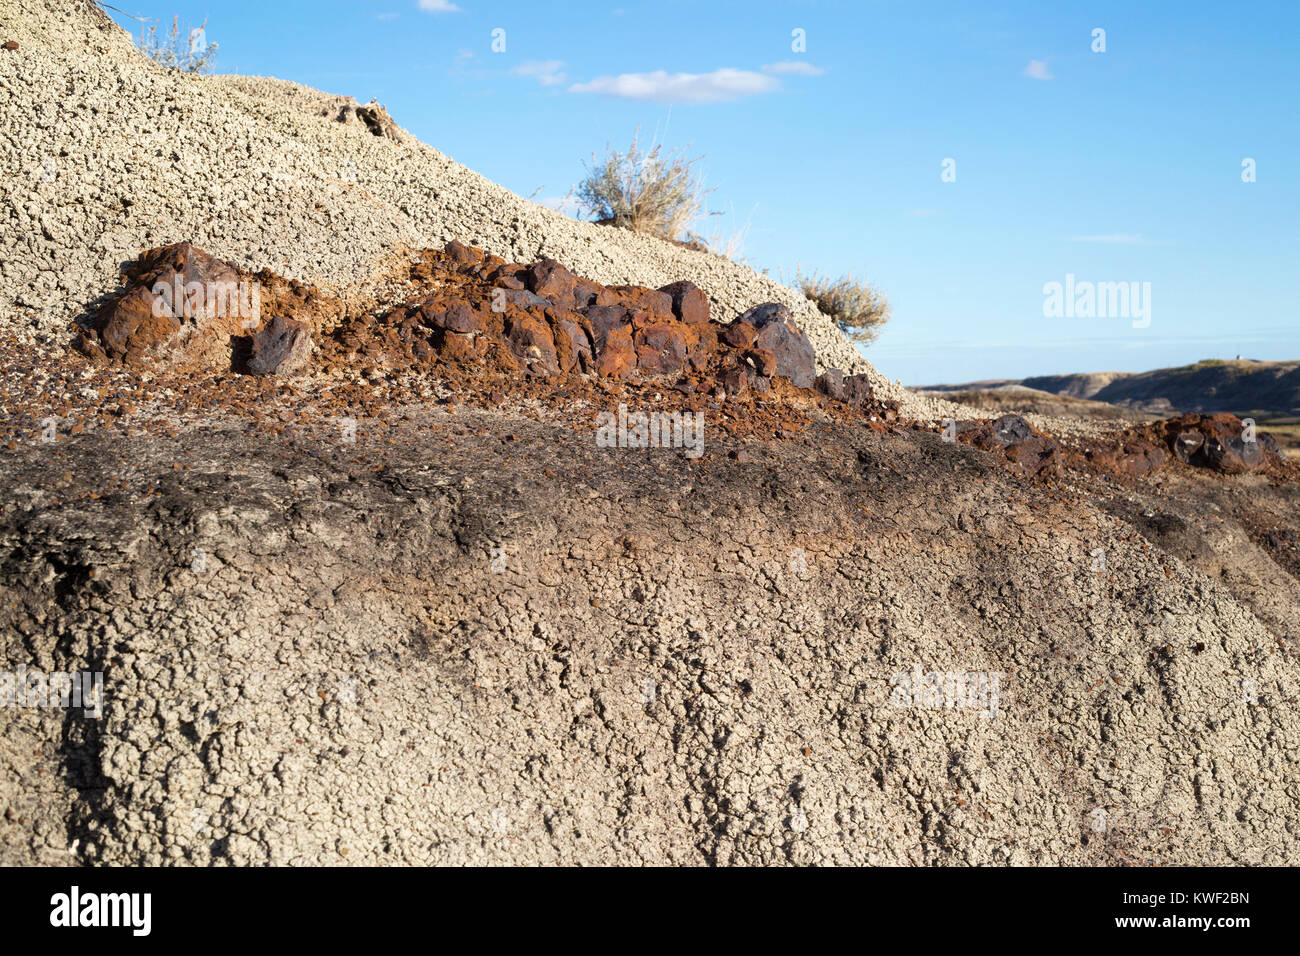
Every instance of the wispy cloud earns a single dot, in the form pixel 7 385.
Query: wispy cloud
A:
pixel 438 6
pixel 462 65
pixel 547 72
pixel 1038 70
pixel 1118 239
pixel 664 87
pixel 793 68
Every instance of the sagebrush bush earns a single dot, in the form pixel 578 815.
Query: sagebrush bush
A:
pixel 187 50
pixel 859 310
pixel 652 192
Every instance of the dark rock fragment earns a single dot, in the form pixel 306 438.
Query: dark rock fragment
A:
pixel 281 347
pixel 689 304
pixel 851 389
pixel 551 281
pixel 778 334
pixel 739 334
pixel 660 349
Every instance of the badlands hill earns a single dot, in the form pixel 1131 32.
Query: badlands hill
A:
pixel 107 155
pixel 365 584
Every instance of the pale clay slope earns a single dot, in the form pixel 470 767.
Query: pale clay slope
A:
pixel 249 169
pixel 331 690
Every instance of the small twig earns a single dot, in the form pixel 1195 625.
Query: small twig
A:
pixel 124 13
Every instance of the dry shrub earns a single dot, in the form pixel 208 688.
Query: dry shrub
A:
pixel 859 310
pixel 652 192
pixel 187 50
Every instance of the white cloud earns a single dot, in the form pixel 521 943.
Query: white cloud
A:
pixel 547 72
pixel 438 6
pixel 793 68
pixel 664 87
pixel 1038 70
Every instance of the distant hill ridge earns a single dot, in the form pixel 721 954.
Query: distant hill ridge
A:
pixel 1213 385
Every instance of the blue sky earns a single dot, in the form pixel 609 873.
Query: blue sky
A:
pixel 1115 166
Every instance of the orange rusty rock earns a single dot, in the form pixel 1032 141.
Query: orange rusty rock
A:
pixel 617 358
